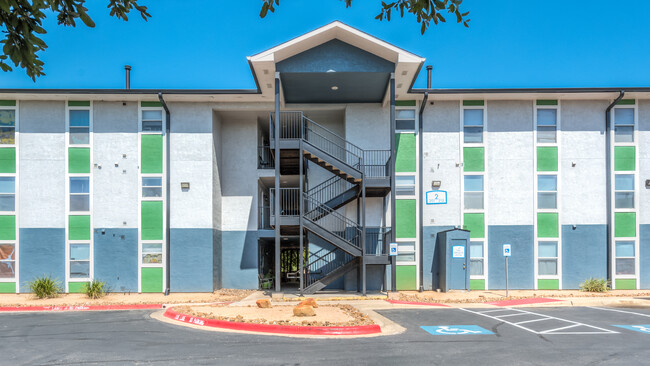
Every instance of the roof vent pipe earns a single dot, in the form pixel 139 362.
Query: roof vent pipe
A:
pixel 128 76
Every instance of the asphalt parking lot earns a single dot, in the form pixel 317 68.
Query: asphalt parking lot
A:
pixel 536 336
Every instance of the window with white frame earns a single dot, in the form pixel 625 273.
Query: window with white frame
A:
pixel 152 120
pixel 406 251
pixel 152 253
pixel 547 191
pixel 474 192
pixel 547 258
pixel 79 194
pixel 7 126
pixel 476 255
pixel 7 260
pixel 152 187
pixel 546 125
pixel 7 194
pixel 624 191
pixel 79 260
pixel 624 124
pixel 473 125
pixel 405 120
pixel 79 127
pixel 405 185
pixel 625 257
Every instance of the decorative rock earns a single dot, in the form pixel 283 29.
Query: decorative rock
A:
pixel 309 301
pixel 263 303
pixel 304 310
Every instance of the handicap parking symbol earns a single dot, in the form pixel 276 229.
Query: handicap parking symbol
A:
pixel 643 328
pixel 455 330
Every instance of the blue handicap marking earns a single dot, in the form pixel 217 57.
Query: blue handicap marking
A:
pixel 455 330
pixel 643 328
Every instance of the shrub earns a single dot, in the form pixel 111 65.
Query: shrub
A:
pixel 95 289
pixel 595 285
pixel 45 287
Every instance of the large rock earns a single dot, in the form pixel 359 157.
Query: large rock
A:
pixel 304 310
pixel 309 301
pixel 263 303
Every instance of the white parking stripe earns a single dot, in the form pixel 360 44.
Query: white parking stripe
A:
pixel 562 328
pixel 619 311
pixel 507 315
pixel 534 320
pixel 492 311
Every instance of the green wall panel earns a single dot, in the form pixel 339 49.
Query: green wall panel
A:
pixel 548 284
pixel 406 278
pixel 79 160
pixel 152 220
pixel 625 284
pixel 151 154
pixel 475 223
pixel 547 159
pixel 8 160
pixel 76 287
pixel 7 287
pixel 477 284
pixel 7 103
pixel 547 225
pixel 152 279
pixel 474 159
pixel 79 227
pixel 7 227
pixel 405 223
pixel 624 158
pixel 79 103
pixel 150 104
pixel 473 103
pixel 546 102
pixel 624 224
pixel 405 103
pixel 626 102
pixel 405 152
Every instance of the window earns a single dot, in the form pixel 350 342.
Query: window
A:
pixel 406 251
pixel 152 121
pixel 151 187
pixel 79 127
pixel 474 192
pixel 546 125
pixel 152 253
pixel 476 258
pixel 79 260
pixel 79 194
pixel 624 191
pixel 405 185
pixel 624 125
pixel 547 191
pixel 625 264
pixel 547 258
pixel 405 120
pixel 7 126
pixel 7 193
pixel 473 125
pixel 7 260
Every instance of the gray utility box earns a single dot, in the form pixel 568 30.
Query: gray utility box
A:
pixel 453 259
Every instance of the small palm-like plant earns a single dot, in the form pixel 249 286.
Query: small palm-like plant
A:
pixel 595 285
pixel 95 289
pixel 45 287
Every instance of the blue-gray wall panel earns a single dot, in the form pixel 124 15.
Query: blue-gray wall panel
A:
pixel 191 260
pixel 42 252
pixel 239 259
pixel 644 255
pixel 430 267
pixel 520 265
pixel 374 279
pixel 216 262
pixel 116 258
pixel 584 254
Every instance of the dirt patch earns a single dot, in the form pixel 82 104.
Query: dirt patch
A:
pixel 223 295
pixel 488 296
pixel 326 315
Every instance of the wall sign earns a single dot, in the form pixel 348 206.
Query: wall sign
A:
pixel 436 198
pixel 507 250
pixel 458 251
pixel 392 249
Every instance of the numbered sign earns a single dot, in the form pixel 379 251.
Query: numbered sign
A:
pixel 392 249
pixel 436 198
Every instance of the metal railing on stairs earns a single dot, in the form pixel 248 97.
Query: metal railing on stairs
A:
pixel 322 265
pixel 330 189
pixel 289 202
pixel 332 221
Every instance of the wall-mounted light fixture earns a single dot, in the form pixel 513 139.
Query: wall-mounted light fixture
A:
pixel 435 184
pixel 647 183
pixel 185 185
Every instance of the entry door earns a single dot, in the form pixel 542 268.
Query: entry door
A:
pixel 459 264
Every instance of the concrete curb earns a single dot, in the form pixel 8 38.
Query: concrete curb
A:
pixel 400 302
pixel 80 308
pixel 273 328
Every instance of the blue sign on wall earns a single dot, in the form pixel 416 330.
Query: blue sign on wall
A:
pixel 455 330
pixel 436 198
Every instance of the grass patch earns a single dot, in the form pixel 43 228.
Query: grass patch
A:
pixel 94 289
pixel 595 285
pixel 45 287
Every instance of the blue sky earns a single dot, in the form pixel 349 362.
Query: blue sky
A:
pixel 203 44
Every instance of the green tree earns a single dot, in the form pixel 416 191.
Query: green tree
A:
pixel 425 11
pixel 22 23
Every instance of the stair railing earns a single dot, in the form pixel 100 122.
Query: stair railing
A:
pixel 376 163
pixel 332 221
pixel 321 266
pixel 329 189
pixel 332 143
pixel 289 201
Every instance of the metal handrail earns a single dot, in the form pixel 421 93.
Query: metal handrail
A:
pixel 330 189
pixel 332 221
pixel 289 202
pixel 265 158
pixel 377 239
pixel 320 267
pixel 376 163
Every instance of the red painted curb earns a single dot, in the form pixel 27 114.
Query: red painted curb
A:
pixel 538 300
pixel 273 328
pixel 81 307
pixel 416 303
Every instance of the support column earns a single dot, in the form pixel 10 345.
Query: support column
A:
pixel 363 233
pixel 393 260
pixel 276 119
pixel 301 253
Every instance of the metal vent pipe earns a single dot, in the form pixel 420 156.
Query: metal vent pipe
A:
pixel 128 76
